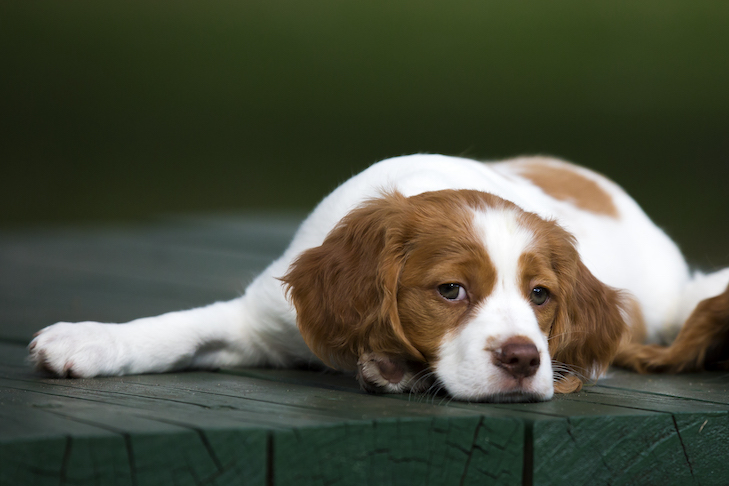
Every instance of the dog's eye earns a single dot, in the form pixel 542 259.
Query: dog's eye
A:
pixel 539 295
pixel 452 291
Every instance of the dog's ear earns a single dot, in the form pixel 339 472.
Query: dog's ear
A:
pixel 589 324
pixel 345 291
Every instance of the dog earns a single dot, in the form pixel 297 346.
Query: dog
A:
pixel 502 281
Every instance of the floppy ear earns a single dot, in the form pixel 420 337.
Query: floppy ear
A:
pixel 588 326
pixel 345 291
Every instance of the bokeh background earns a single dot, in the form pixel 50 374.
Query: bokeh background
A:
pixel 119 111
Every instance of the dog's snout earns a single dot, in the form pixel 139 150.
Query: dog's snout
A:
pixel 519 357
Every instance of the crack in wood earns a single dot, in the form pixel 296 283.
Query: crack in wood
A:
pixel 66 458
pixel 683 446
pixel 663 395
pixel 130 457
pixel 527 472
pixel 470 452
pixel 209 448
pixel 270 445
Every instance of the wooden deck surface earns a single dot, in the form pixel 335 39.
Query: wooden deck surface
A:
pixel 284 427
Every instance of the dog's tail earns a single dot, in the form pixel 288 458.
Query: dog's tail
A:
pixel 702 342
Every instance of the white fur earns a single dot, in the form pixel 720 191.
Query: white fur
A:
pixel 464 368
pixel 259 328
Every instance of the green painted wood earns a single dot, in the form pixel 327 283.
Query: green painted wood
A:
pixel 437 452
pixel 189 458
pixel 299 427
pixel 152 410
pixel 20 421
pixel 38 446
pixel 115 275
pixel 32 462
pixel 639 449
pixel 157 430
pixel 706 445
pixel 707 386
pixel 122 444
pixel 641 400
pixel 601 409
pixel 701 426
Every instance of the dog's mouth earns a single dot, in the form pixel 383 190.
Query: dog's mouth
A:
pixel 507 393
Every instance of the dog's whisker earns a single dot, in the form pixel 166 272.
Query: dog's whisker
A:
pixel 566 333
pixel 416 386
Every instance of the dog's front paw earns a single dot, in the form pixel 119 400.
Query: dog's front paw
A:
pixel 378 373
pixel 79 350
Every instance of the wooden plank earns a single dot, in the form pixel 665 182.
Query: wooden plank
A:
pixel 35 462
pixel 242 400
pixel 584 442
pixel 295 426
pixel 594 450
pixel 115 275
pixel 158 447
pixel 435 452
pixel 415 435
pixel 642 400
pixel 72 458
pixel 154 448
pixel 601 408
pixel 255 233
pixel 701 426
pixel 40 447
pixel 641 431
pixel 101 299
pixel 20 420
pixel 133 256
pixel 712 386
pixel 706 445
pixel 370 416
pixel 299 417
pixel 195 458
pixel 228 392
pixel 607 430
pixel 582 423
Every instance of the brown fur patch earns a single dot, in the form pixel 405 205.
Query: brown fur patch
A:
pixel 536 271
pixel 582 318
pixel 444 251
pixel 636 322
pixel 562 181
pixel 345 291
pixel 371 287
pixel 702 343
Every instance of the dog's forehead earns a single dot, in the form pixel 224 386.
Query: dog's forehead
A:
pixel 505 237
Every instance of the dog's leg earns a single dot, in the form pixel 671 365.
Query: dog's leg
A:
pixel 257 329
pixel 703 341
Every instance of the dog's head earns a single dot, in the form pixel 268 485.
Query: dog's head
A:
pixel 456 289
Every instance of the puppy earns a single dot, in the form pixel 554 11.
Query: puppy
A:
pixel 505 281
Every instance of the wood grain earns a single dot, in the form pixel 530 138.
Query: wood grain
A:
pixel 298 427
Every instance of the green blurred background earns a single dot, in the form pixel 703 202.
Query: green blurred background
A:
pixel 118 111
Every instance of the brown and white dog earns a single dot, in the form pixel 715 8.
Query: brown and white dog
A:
pixel 499 281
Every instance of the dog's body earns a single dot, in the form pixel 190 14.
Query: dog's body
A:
pixel 421 268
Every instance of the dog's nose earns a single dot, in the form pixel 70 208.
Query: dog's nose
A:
pixel 519 356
